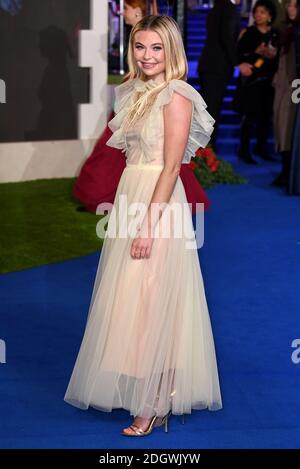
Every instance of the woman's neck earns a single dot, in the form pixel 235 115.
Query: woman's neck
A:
pixel 263 28
pixel 157 78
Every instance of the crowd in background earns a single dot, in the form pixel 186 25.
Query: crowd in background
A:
pixel 266 54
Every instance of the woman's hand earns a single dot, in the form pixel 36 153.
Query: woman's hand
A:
pixel 242 33
pixel 270 52
pixel 141 247
pixel 246 69
pixel 266 51
pixel 260 49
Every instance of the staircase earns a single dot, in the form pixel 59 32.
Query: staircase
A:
pixel 229 128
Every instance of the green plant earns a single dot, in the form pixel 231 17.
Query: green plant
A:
pixel 209 170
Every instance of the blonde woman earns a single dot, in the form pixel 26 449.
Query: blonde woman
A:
pixel 148 345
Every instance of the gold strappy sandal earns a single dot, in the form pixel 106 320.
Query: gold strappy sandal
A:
pixel 140 432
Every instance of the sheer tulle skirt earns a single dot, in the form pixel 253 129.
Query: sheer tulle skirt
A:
pixel 148 344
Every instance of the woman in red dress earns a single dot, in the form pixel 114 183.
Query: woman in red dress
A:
pixel 100 174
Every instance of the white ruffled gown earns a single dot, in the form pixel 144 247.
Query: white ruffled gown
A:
pixel 148 345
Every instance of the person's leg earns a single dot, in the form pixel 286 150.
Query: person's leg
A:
pixel 283 178
pixel 245 134
pixel 139 422
pixel 264 108
pixel 143 423
pixel 213 88
pixel 262 131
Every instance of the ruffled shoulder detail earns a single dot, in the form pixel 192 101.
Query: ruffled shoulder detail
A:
pixel 123 94
pixel 123 100
pixel 202 124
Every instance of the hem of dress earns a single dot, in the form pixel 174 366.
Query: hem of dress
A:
pixel 82 406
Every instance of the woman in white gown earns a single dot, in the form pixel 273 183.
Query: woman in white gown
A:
pixel 148 344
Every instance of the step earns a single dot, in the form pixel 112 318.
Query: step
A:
pixel 195 31
pixel 197 23
pixel 228 112
pixel 193 44
pixel 200 20
pixel 198 26
pixel 227 102
pixel 231 146
pixel 193 78
pixel 193 56
pixel 229 131
pixel 194 41
pixel 193 38
pixel 194 48
pixel 201 26
pixel 229 117
pixel 194 82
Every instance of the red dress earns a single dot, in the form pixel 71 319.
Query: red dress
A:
pixel 101 173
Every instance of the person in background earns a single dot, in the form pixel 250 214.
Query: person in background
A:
pixel 294 180
pixel 284 111
pixel 257 51
pixel 134 11
pixel 279 21
pixel 219 57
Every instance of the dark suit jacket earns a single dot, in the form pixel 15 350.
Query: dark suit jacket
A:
pixel 222 29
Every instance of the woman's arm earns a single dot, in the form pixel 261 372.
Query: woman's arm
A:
pixel 246 68
pixel 177 122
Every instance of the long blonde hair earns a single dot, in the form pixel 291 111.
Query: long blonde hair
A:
pixel 175 59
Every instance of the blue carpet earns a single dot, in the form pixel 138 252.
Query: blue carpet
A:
pixel 251 267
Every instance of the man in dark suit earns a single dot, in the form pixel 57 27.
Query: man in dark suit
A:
pixel 219 56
